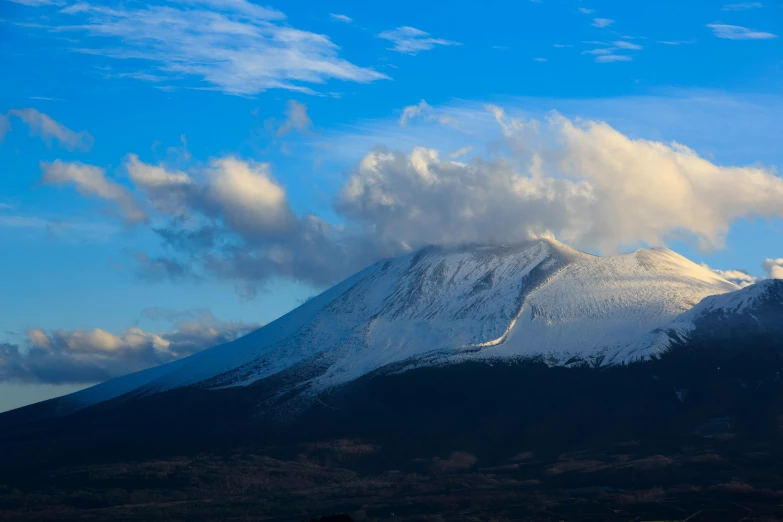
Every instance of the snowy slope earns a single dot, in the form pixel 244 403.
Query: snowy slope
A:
pixel 447 304
pixel 752 310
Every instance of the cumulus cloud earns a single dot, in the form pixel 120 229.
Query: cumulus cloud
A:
pixel 739 277
pixel 579 180
pixel 96 355
pixel 236 47
pixel 233 220
pixel 584 181
pixel 736 32
pixel 409 40
pixel 773 267
pixel 90 180
pixel 585 10
pixel 47 129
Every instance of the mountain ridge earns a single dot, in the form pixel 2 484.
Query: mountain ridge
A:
pixel 449 304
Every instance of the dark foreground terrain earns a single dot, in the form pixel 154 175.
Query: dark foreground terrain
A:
pixel 697 435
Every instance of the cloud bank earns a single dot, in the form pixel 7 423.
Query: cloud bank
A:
pixel 580 180
pixel 96 355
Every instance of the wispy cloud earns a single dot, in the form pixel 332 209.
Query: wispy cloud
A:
pixel 736 32
pixel 341 18
pixel 607 53
pixel 90 180
pixel 409 40
pixel 461 151
pixel 612 58
pixel 742 6
pixel 602 22
pixel 426 111
pixel 585 10
pixel 296 119
pixel 676 42
pixel 49 129
pixel 622 44
pixel 233 46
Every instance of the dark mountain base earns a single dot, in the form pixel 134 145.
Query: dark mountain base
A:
pixel 697 431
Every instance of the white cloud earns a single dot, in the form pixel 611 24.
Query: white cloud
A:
pixel 736 32
pixel 602 22
pixel 233 46
pixel 246 196
pixel 296 119
pixel 743 6
pixel 583 181
pixel 341 18
pixel 585 10
pixel 676 42
pixel 611 58
pixel 606 53
pixel 738 277
pixel 773 267
pixel 409 40
pixel 48 129
pixel 461 151
pixel 427 112
pixel 90 180
pixel 622 44
pixel 95 355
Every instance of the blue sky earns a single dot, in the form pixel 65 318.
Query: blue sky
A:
pixel 174 174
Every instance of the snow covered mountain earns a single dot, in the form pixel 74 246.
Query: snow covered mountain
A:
pixel 443 305
pixel 752 312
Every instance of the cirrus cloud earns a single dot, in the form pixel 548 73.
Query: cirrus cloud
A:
pixel 236 46
pixel 736 32
pixel 409 40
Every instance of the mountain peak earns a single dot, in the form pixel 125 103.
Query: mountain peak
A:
pixel 444 304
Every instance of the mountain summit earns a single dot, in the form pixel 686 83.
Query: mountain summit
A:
pixel 440 305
